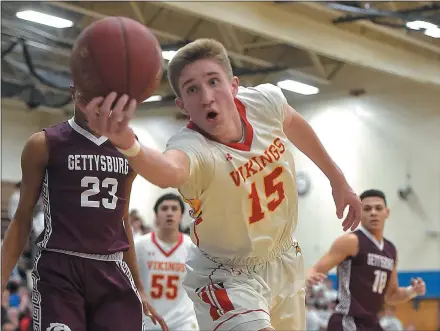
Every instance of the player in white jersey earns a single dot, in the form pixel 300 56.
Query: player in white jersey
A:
pixel 161 258
pixel 234 165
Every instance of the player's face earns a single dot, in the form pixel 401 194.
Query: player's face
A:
pixel 374 213
pixel 80 102
pixel 207 96
pixel 168 215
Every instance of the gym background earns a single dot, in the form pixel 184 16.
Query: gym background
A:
pixel 366 75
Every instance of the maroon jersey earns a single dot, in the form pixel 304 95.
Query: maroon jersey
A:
pixel 363 279
pixel 83 192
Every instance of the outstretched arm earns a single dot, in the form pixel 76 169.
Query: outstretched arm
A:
pixel 301 134
pixel 170 169
pixel 343 247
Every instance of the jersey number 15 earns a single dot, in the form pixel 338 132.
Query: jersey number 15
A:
pixel 271 187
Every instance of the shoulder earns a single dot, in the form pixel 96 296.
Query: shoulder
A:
pixel 264 99
pixel 390 245
pixel 143 240
pixel 187 138
pixel 347 243
pixel 263 93
pixel 186 239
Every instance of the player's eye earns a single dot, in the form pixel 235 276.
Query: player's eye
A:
pixel 191 89
pixel 214 81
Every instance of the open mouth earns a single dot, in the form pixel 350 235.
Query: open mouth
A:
pixel 211 115
pixel 169 221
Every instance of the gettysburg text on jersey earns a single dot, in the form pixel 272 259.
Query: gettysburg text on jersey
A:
pixel 380 261
pixel 257 163
pixel 97 163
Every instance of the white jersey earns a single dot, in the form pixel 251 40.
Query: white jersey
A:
pixel 162 268
pixel 243 195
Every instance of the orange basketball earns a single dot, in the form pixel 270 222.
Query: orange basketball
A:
pixel 116 54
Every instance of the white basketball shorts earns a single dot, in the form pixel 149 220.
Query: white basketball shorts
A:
pixel 252 297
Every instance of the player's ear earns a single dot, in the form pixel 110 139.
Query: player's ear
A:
pixel 72 92
pixel 235 84
pixel 388 212
pixel 179 104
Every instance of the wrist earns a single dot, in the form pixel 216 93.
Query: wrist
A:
pixel 336 177
pixel 131 151
pixel 410 292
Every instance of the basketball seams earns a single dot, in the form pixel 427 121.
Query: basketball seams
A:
pixel 126 54
pixel 88 37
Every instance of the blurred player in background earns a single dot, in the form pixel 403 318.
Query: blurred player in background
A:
pixel 367 270
pixel 234 165
pixel 161 258
pixel 82 277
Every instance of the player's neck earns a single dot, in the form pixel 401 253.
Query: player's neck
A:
pixel 236 132
pixel 82 123
pixel 377 234
pixel 169 236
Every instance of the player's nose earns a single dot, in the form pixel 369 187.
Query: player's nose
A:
pixel 206 95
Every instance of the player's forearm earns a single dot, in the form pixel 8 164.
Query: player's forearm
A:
pixel 400 295
pixel 131 259
pixel 13 244
pixel 301 134
pixel 157 168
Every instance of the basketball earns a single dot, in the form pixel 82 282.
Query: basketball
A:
pixel 116 54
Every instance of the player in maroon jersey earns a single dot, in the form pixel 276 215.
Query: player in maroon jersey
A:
pixel 367 270
pixel 85 274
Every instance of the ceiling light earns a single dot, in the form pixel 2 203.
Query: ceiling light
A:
pixel 168 55
pixel 153 98
pixel 297 87
pixel 53 21
pixel 430 29
pixel 434 33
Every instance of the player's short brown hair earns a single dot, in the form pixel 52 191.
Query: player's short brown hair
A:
pixel 190 53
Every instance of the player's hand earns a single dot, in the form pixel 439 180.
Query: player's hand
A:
pixel 112 122
pixel 419 286
pixel 314 278
pixel 344 196
pixel 151 312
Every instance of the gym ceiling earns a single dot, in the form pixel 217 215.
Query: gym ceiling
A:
pixel 308 42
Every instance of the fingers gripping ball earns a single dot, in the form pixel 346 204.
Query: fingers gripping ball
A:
pixel 116 54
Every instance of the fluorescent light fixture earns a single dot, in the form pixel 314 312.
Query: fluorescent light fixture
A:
pixel 434 33
pixel 297 87
pixel 153 98
pixel 37 17
pixel 417 25
pixel 431 29
pixel 168 55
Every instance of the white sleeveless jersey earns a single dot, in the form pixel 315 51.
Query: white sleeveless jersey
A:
pixel 162 268
pixel 243 195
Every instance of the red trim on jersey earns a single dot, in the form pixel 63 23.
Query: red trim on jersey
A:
pixel 197 222
pixel 246 144
pixel 243 313
pixel 172 250
pixel 218 299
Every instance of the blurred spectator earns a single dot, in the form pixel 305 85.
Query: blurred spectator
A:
pixel 330 293
pixel 8 326
pixel 313 320
pixel 13 314
pixel 389 321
